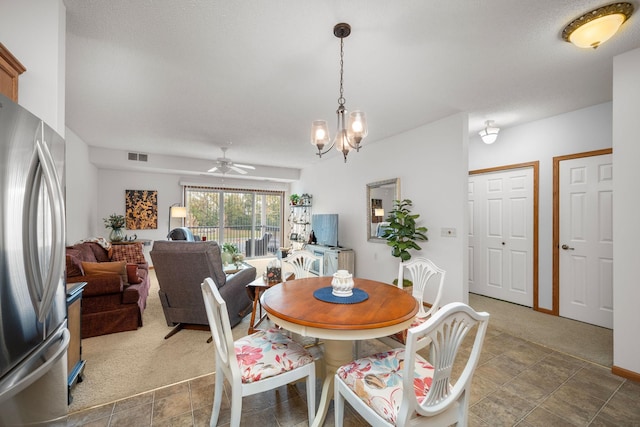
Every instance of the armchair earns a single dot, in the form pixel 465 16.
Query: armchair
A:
pixel 181 267
pixel 182 233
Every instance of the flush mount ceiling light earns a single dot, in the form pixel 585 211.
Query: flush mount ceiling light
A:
pixel 490 133
pixel 596 27
pixel 349 134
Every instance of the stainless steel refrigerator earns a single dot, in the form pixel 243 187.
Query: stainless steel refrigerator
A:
pixel 33 326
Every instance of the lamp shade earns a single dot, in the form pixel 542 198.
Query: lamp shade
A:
pixel 178 212
pixel 342 142
pixel 320 134
pixel 357 126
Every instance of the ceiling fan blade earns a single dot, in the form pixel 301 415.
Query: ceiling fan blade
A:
pixel 213 169
pixel 244 166
pixel 240 171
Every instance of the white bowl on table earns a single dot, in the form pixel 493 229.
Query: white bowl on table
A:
pixel 342 283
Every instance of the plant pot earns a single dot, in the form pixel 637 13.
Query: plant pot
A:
pixel 226 258
pixel 116 235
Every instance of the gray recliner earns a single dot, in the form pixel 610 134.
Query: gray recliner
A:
pixel 181 267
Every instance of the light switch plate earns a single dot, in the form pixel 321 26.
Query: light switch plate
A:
pixel 448 232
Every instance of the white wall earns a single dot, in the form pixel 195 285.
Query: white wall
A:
pixel 575 132
pixel 626 227
pixel 81 194
pixel 420 158
pixel 34 31
pixel 113 183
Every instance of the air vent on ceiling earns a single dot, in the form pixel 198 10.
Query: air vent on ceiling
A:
pixel 140 157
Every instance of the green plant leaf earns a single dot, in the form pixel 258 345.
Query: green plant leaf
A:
pixel 402 232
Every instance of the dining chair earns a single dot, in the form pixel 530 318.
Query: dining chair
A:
pixel 428 281
pixel 301 261
pixel 400 388
pixel 259 362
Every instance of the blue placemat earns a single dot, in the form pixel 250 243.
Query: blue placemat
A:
pixel 326 295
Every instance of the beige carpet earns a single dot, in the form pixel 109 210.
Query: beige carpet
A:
pixel 123 364
pixel 127 363
pixel 578 339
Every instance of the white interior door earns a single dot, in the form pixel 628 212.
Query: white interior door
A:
pixel 501 235
pixel 586 239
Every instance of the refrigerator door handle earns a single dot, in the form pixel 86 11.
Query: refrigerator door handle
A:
pixel 18 381
pixel 42 170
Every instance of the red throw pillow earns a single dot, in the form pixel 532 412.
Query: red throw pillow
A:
pixel 132 274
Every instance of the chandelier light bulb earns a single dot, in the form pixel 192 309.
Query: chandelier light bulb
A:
pixel 319 134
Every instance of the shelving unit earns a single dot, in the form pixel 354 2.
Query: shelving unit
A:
pixel 299 224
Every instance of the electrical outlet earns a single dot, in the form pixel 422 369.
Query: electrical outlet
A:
pixel 448 232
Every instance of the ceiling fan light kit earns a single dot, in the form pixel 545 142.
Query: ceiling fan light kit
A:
pixel 350 132
pixel 225 165
pixel 597 26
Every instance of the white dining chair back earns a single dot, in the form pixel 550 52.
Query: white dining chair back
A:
pixel 255 363
pixel 400 388
pixel 301 262
pixel 428 279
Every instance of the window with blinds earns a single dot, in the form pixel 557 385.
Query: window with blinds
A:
pixel 252 220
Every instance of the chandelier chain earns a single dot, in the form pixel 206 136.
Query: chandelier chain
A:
pixel 341 99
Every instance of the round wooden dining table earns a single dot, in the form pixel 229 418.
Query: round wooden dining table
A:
pixel 293 306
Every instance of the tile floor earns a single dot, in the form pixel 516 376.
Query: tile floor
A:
pixel 517 383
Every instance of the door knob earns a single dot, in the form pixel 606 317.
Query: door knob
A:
pixel 567 248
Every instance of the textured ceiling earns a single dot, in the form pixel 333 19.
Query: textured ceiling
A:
pixel 186 77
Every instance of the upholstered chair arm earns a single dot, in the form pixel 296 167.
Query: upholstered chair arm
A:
pixel 100 284
pixel 242 277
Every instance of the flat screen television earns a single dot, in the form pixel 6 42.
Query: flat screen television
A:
pixel 325 228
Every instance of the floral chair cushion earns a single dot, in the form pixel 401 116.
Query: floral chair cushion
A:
pixel 402 335
pixel 265 354
pixel 377 380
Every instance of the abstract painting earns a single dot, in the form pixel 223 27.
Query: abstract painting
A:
pixel 142 209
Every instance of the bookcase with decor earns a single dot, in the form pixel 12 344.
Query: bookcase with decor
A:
pixel 299 219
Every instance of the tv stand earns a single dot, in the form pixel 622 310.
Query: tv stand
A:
pixel 335 258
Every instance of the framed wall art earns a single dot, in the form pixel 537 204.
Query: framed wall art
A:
pixel 142 209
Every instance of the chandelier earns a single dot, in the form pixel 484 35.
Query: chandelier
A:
pixel 350 133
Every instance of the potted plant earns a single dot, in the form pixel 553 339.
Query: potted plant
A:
pixel 294 199
pixel 402 232
pixel 115 223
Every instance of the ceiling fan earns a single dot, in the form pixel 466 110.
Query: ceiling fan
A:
pixel 224 165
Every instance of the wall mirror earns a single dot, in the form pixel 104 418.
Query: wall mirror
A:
pixel 380 197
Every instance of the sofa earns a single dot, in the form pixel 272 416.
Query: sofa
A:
pixel 117 287
pixel 181 266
